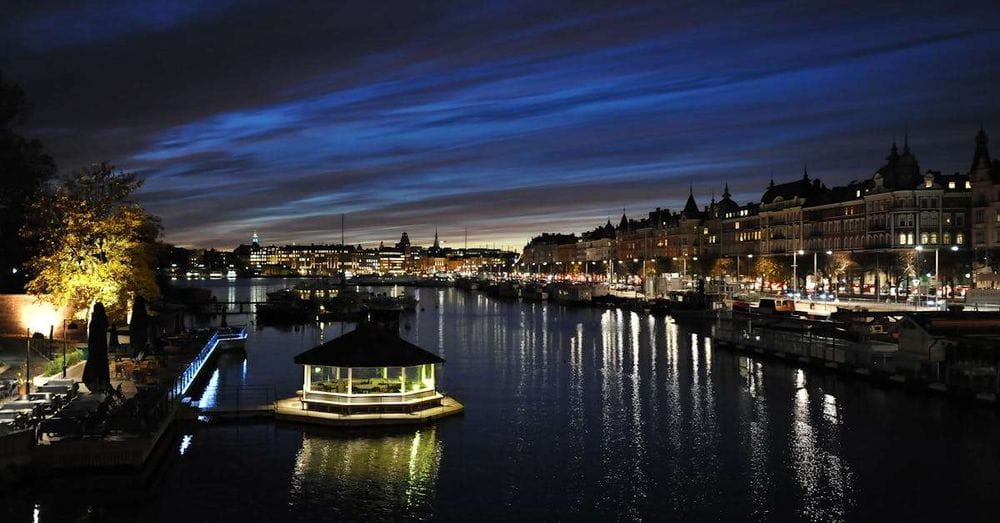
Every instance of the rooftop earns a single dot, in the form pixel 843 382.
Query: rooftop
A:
pixel 374 343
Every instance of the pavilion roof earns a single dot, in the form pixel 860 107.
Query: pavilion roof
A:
pixel 369 345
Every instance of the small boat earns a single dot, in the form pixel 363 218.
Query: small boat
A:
pixel 534 293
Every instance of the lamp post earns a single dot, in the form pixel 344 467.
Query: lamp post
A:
pixel 920 248
pixel 828 253
pixel 795 273
pixel 27 361
pixel 72 326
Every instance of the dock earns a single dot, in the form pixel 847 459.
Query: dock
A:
pixel 290 409
pixel 133 452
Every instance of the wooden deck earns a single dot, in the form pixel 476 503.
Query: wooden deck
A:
pixel 290 409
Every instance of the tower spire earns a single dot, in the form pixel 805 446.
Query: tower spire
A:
pixel 981 159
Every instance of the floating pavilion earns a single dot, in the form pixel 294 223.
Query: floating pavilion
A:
pixel 369 376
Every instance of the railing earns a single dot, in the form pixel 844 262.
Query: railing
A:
pixel 368 398
pixel 186 378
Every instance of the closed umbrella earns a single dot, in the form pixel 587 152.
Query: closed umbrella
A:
pixel 139 328
pixel 113 345
pixel 95 374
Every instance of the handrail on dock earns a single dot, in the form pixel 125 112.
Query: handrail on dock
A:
pixel 186 378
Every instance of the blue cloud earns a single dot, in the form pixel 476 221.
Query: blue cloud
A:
pixel 509 118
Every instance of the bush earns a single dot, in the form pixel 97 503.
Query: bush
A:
pixel 55 366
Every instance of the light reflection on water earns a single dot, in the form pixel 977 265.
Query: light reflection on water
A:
pixel 583 413
pixel 400 470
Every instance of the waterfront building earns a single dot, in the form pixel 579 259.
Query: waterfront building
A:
pixel 984 175
pixel 862 235
pixel 326 260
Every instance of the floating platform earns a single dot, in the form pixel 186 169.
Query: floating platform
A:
pixel 290 409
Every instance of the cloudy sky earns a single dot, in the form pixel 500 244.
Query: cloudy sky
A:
pixel 504 118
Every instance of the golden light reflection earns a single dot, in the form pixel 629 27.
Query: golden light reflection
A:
pixel 392 472
pixel 822 475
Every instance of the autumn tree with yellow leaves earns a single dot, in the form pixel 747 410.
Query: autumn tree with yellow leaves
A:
pixel 96 244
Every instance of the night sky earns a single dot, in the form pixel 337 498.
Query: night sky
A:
pixel 509 119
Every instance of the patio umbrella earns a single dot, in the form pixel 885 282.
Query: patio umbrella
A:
pixel 139 328
pixel 95 374
pixel 113 345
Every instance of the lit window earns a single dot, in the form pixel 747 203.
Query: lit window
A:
pixel 968 184
pixel 737 225
pixel 928 183
pixel 951 185
pixel 858 193
pixel 959 238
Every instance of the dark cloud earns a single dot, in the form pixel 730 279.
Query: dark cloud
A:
pixel 506 118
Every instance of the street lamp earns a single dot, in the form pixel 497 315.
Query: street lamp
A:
pixel 920 248
pixel 829 276
pixel 72 326
pixel 27 362
pixel 795 272
pixel 749 256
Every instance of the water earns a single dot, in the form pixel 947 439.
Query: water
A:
pixel 578 414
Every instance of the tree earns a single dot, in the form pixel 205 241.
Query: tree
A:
pixel 770 269
pixel 24 168
pixel 722 267
pixel 95 244
pixel 840 263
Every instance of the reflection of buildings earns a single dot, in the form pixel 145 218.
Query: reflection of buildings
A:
pixel 370 474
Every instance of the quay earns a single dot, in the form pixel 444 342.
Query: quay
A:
pixel 952 352
pixel 54 444
pixel 291 409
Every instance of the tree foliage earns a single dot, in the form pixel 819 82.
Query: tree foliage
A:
pixel 770 268
pixel 96 245
pixel 24 167
pixel 841 262
pixel 722 267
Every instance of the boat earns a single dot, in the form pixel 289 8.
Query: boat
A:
pixel 277 313
pixel 659 306
pixel 534 292
pixel 508 290
pixel 570 294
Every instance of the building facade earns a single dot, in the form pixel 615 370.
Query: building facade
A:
pixel 866 230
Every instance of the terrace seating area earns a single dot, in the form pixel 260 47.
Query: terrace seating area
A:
pixel 17 412
pixel 360 386
pixel 109 416
pixel 141 372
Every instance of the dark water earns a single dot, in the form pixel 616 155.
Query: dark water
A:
pixel 582 414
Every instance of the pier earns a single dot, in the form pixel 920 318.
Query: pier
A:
pixel 126 451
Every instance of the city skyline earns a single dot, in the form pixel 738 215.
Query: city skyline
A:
pixel 507 121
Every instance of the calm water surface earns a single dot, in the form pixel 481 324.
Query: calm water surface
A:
pixel 580 414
